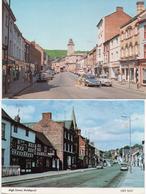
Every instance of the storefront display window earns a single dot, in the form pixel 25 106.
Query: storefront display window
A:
pixel 144 76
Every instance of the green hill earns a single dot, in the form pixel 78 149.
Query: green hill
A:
pixel 56 53
pixel 59 53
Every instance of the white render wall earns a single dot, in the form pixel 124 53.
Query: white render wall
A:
pixel 21 134
pixel 115 49
pixel 6 143
pixel 16 41
pixel 142 41
pixel 101 39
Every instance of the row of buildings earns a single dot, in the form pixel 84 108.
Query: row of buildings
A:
pixel 45 145
pixel 19 56
pixel 133 155
pixel 120 51
pixel 70 62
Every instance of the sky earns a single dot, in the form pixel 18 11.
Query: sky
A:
pixel 52 22
pixel 100 121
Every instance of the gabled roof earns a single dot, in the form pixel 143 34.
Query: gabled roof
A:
pixel 7 117
pixel 133 19
pixel 44 139
pixel 68 124
pixel 30 124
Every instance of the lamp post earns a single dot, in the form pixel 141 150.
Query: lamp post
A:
pixel 130 133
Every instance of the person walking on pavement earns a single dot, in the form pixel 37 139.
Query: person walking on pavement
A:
pixel 30 77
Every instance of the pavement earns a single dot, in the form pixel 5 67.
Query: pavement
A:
pixel 16 179
pixel 131 86
pixel 107 177
pixel 134 179
pixel 18 86
pixel 64 86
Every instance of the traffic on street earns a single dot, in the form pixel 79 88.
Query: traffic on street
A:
pixel 65 85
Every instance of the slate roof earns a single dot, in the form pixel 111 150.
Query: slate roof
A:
pixel 44 139
pixel 7 117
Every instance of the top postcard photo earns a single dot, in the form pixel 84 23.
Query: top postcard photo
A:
pixel 73 49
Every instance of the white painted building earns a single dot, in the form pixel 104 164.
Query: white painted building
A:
pixel 142 49
pixel 6 137
pixel 101 40
pixel 114 56
pixel 14 132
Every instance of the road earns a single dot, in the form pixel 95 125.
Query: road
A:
pixel 64 86
pixel 108 177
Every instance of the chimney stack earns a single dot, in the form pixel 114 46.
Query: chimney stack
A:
pixel 46 116
pixel 119 9
pixel 140 6
pixel 17 119
pixel 78 131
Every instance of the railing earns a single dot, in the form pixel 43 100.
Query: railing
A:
pixel 10 171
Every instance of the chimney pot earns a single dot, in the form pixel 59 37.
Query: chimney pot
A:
pixel 47 116
pixel 119 9
pixel 17 119
pixel 140 6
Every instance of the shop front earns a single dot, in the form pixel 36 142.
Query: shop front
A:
pixel 142 70
pixel 129 71
pixel 22 154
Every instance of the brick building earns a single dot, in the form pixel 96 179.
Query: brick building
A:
pixel 85 151
pixel 130 48
pixel 61 135
pixel 108 27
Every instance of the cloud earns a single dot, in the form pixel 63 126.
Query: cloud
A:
pixel 26 112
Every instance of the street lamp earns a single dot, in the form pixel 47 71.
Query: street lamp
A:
pixel 130 130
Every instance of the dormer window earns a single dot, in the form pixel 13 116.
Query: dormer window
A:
pixel 15 129
pixel 27 133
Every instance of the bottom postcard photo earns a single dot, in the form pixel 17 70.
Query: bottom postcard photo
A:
pixel 72 144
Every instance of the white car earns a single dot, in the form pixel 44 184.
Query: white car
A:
pixel 124 166
pixel 105 81
pixel 99 167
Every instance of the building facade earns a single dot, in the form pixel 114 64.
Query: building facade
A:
pixel 130 49
pixel 142 47
pixel 108 27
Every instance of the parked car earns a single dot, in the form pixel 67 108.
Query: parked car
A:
pixel 99 167
pixel 50 74
pixel 89 80
pixel 124 166
pixel 105 81
pixel 44 76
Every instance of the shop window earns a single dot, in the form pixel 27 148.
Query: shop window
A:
pixel 144 76
pixel 28 163
pixel 48 163
pixel 3 131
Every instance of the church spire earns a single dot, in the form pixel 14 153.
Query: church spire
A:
pixel 73 118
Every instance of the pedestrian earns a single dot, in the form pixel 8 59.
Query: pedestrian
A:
pixel 30 77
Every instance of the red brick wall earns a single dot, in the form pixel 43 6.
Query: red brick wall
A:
pixel 54 132
pixel 113 23
pixel 81 144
